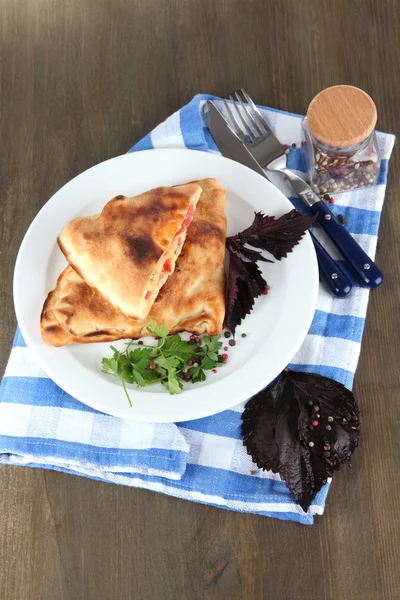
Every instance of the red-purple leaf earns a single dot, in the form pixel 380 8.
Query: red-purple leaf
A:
pixel 279 434
pixel 276 235
pixel 245 282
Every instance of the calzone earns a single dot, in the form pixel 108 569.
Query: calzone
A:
pixel 127 252
pixel 191 300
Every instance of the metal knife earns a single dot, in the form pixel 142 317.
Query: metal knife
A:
pixel 331 274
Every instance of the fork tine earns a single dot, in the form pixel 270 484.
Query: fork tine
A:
pixel 248 133
pixel 236 125
pixel 247 111
pixel 262 120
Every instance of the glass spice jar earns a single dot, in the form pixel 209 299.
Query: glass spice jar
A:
pixel 339 144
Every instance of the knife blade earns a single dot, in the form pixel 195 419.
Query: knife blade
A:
pixel 232 147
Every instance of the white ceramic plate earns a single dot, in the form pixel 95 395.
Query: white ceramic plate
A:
pixel 275 329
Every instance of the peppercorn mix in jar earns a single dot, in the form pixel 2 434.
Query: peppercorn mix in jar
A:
pixel 339 146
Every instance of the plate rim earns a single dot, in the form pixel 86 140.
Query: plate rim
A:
pixel 114 410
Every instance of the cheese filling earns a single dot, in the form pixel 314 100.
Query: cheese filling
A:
pixel 166 265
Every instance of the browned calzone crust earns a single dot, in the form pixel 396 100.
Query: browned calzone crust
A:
pixel 121 252
pixel 191 300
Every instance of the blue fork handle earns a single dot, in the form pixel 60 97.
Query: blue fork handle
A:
pixel 364 268
pixel 330 273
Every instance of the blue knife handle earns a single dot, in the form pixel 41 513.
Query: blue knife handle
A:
pixel 330 273
pixel 367 272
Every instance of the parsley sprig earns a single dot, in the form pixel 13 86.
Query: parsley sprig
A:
pixel 170 363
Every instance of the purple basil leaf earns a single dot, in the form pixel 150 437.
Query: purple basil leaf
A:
pixel 279 434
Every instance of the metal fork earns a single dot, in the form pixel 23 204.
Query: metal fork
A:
pixel 255 133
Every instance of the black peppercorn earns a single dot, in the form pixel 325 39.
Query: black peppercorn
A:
pixel 227 334
pixel 232 343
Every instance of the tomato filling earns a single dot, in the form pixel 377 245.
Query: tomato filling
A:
pixel 168 265
pixel 187 220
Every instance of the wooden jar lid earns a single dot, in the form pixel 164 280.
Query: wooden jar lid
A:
pixel 341 116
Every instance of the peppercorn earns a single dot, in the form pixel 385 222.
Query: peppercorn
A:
pixel 311 444
pixel 140 343
pixel 326 197
pixel 152 366
pixel 187 376
pixel 244 335
pixel 225 357
pixel 328 428
pixel 227 334
pixel 293 145
pixel 314 423
pixel 287 151
pixel 214 370
pixel 330 419
pixel 265 292
pixel 285 146
pixel 226 348
pixel 331 200
pixel 342 219
pixel 232 343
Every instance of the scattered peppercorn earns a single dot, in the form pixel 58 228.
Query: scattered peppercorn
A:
pixel 184 370
pixel 327 454
pixel 316 407
pixel 311 444
pixel 195 364
pixel 232 343
pixel 314 423
pixel 227 334
pixel 285 146
pixel 214 370
pixel 226 348
pixel 287 151
pixel 244 335
pixel 187 376
pixel 330 419
pixel 310 403
pixel 294 145
pixel 152 366
pixel 326 197
pixel 224 357
pixel 328 428
pixel 265 292
pixel 327 447
pixel 342 219
pixel 140 343
pixel 286 369
pixel 190 362
pixel 331 200
pixel 250 472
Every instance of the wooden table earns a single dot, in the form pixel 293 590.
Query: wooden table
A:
pixel 81 81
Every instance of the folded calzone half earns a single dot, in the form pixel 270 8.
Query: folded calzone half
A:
pixel 128 251
pixel 191 300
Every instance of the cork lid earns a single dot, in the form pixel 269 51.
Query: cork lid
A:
pixel 341 116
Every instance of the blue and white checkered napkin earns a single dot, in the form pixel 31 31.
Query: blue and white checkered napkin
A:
pixel 202 460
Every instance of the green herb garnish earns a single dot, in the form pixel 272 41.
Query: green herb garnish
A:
pixel 170 363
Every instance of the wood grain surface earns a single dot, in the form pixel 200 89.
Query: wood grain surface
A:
pixel 81 81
